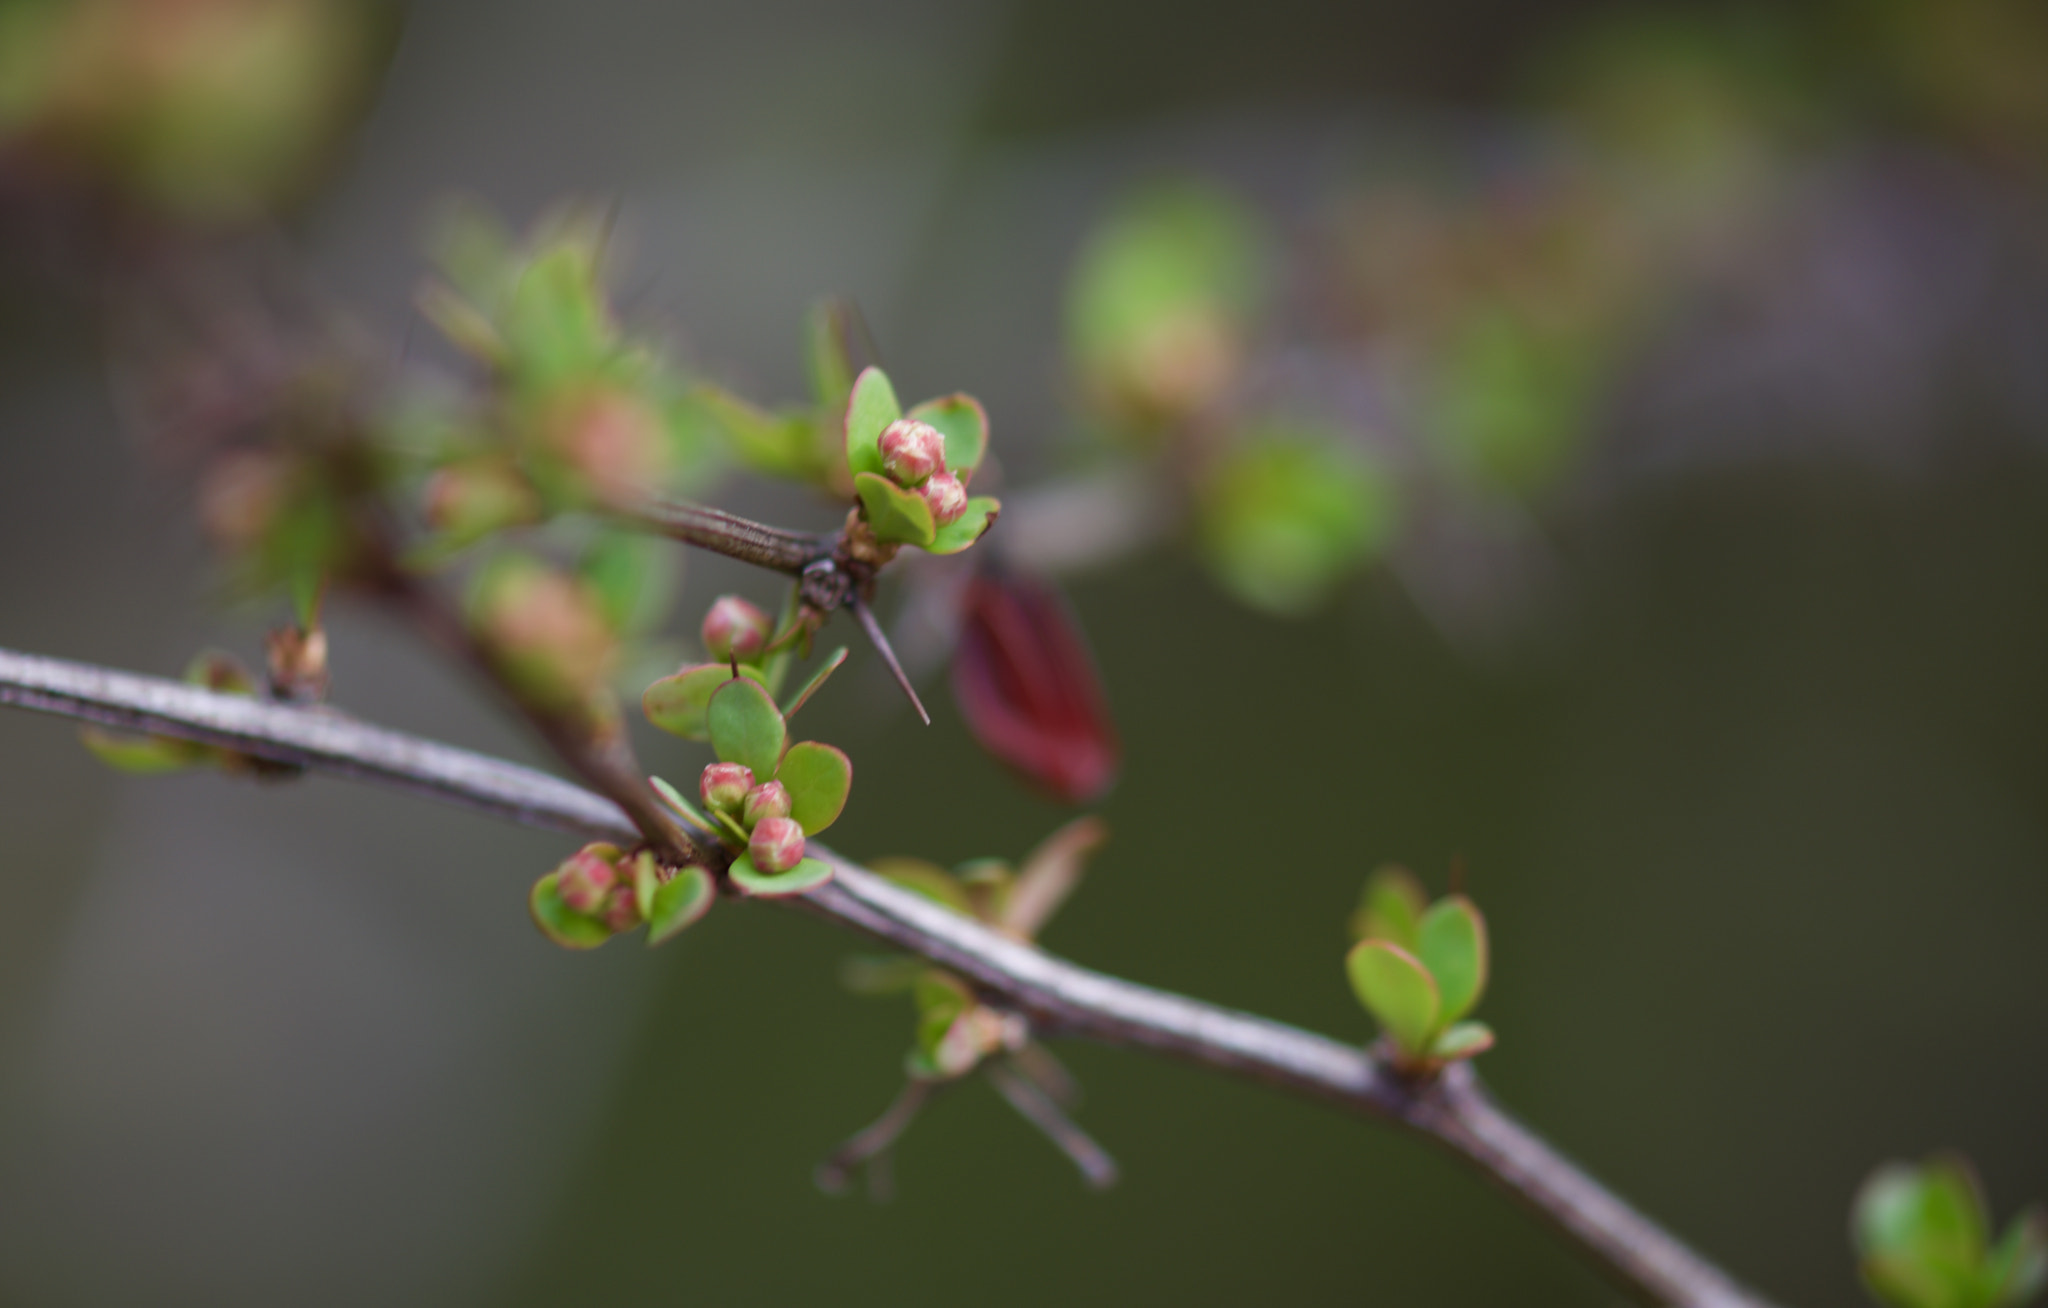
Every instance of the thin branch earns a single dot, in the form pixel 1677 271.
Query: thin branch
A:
pixel 1059 997
pixel 869 1147
pixel 1097 1168
pixel 729 534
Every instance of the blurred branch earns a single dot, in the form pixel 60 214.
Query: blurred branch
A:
pixel 1060 998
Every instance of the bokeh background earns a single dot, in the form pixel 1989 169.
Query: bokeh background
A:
pixel 1730 694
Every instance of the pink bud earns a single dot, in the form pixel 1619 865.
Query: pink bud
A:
pixel 947 498
pixel 725 785
pixel 734 629
pixel 621 909
pixel 584 879
pixel 912 451
pixel 777 844
pixel 767 800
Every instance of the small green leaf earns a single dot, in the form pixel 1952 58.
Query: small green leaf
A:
pixel 560 923
pixel 746 727
pixel 2018 1266
pixel 871 407
pixel 144 755
pixel 881 974
pixel 680 702
pixel 926 879
pixel 645 882
pixel 1398 991
pixel 964 424
pixel 1462 1040
pixel 968 528
pixel 1451 942
pixel 895 514
pixel 1390 907
pixel 675 799
pixel 827 329
pixel 810 688
pixel 807 875
pixel 633 576
pixel 679 901
pixel 818 778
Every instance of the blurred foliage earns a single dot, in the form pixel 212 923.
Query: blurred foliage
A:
pixel 207 110
pixel 1924 1233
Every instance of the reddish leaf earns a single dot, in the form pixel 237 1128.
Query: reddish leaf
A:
pixel 1027 685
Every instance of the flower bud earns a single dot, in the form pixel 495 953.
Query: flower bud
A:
pixel 613 439
pixel 947 498
pixel 586 879
pixel 767 800
pixel 912 451
pixel 547 632
pixel 243 495
pixel 621 909
pixel 470 500
pixel 725 785
pixel 735 629
pixel 777 844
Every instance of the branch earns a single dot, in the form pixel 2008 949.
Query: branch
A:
pixel 1060 998
pixel 728 534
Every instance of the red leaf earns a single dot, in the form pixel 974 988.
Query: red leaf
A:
pixel 1027 685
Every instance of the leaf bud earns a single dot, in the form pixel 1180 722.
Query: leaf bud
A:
pixel 912 451
pixel 947 498
pixel 243 496
pixel 770 799
pixel 725 785
pixel 777 844
pixel 735 629
pixel 548 633
pixel 586 879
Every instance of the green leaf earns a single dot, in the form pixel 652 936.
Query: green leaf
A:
pixel 964 424
pixel 674 799
pixel 1398 991
pixel 818 778
pixel 746 727
pixel 1290 511
pixel 1462 1040
pixel 881 974
pixel 1390 907
pixel 560 923
pixel 968 528
pixel 895 514
pixel 144 755
pixel 778 444
pixel 871 407
pixel 680 703
pixel 807 875
pixel 2018 1266
pixel 633 576
pixel 926 879
pixel 818 678
pixel 1451 943
pixel 679 901
pixel 827 352
pixel 645 882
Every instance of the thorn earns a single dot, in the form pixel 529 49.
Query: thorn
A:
pixel 866 617
pixel 869 1148
pixel 1097 1168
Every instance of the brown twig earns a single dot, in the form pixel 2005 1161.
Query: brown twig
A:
pixel 729 534
pixel 1059 997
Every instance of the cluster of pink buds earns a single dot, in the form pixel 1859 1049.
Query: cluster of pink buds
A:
pixel 775 842
pixel 914 456
pixel 595 885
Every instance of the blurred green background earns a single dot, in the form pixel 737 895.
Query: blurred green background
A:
pixel 1736 722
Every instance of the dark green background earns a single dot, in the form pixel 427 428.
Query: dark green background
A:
pixel 1752 790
